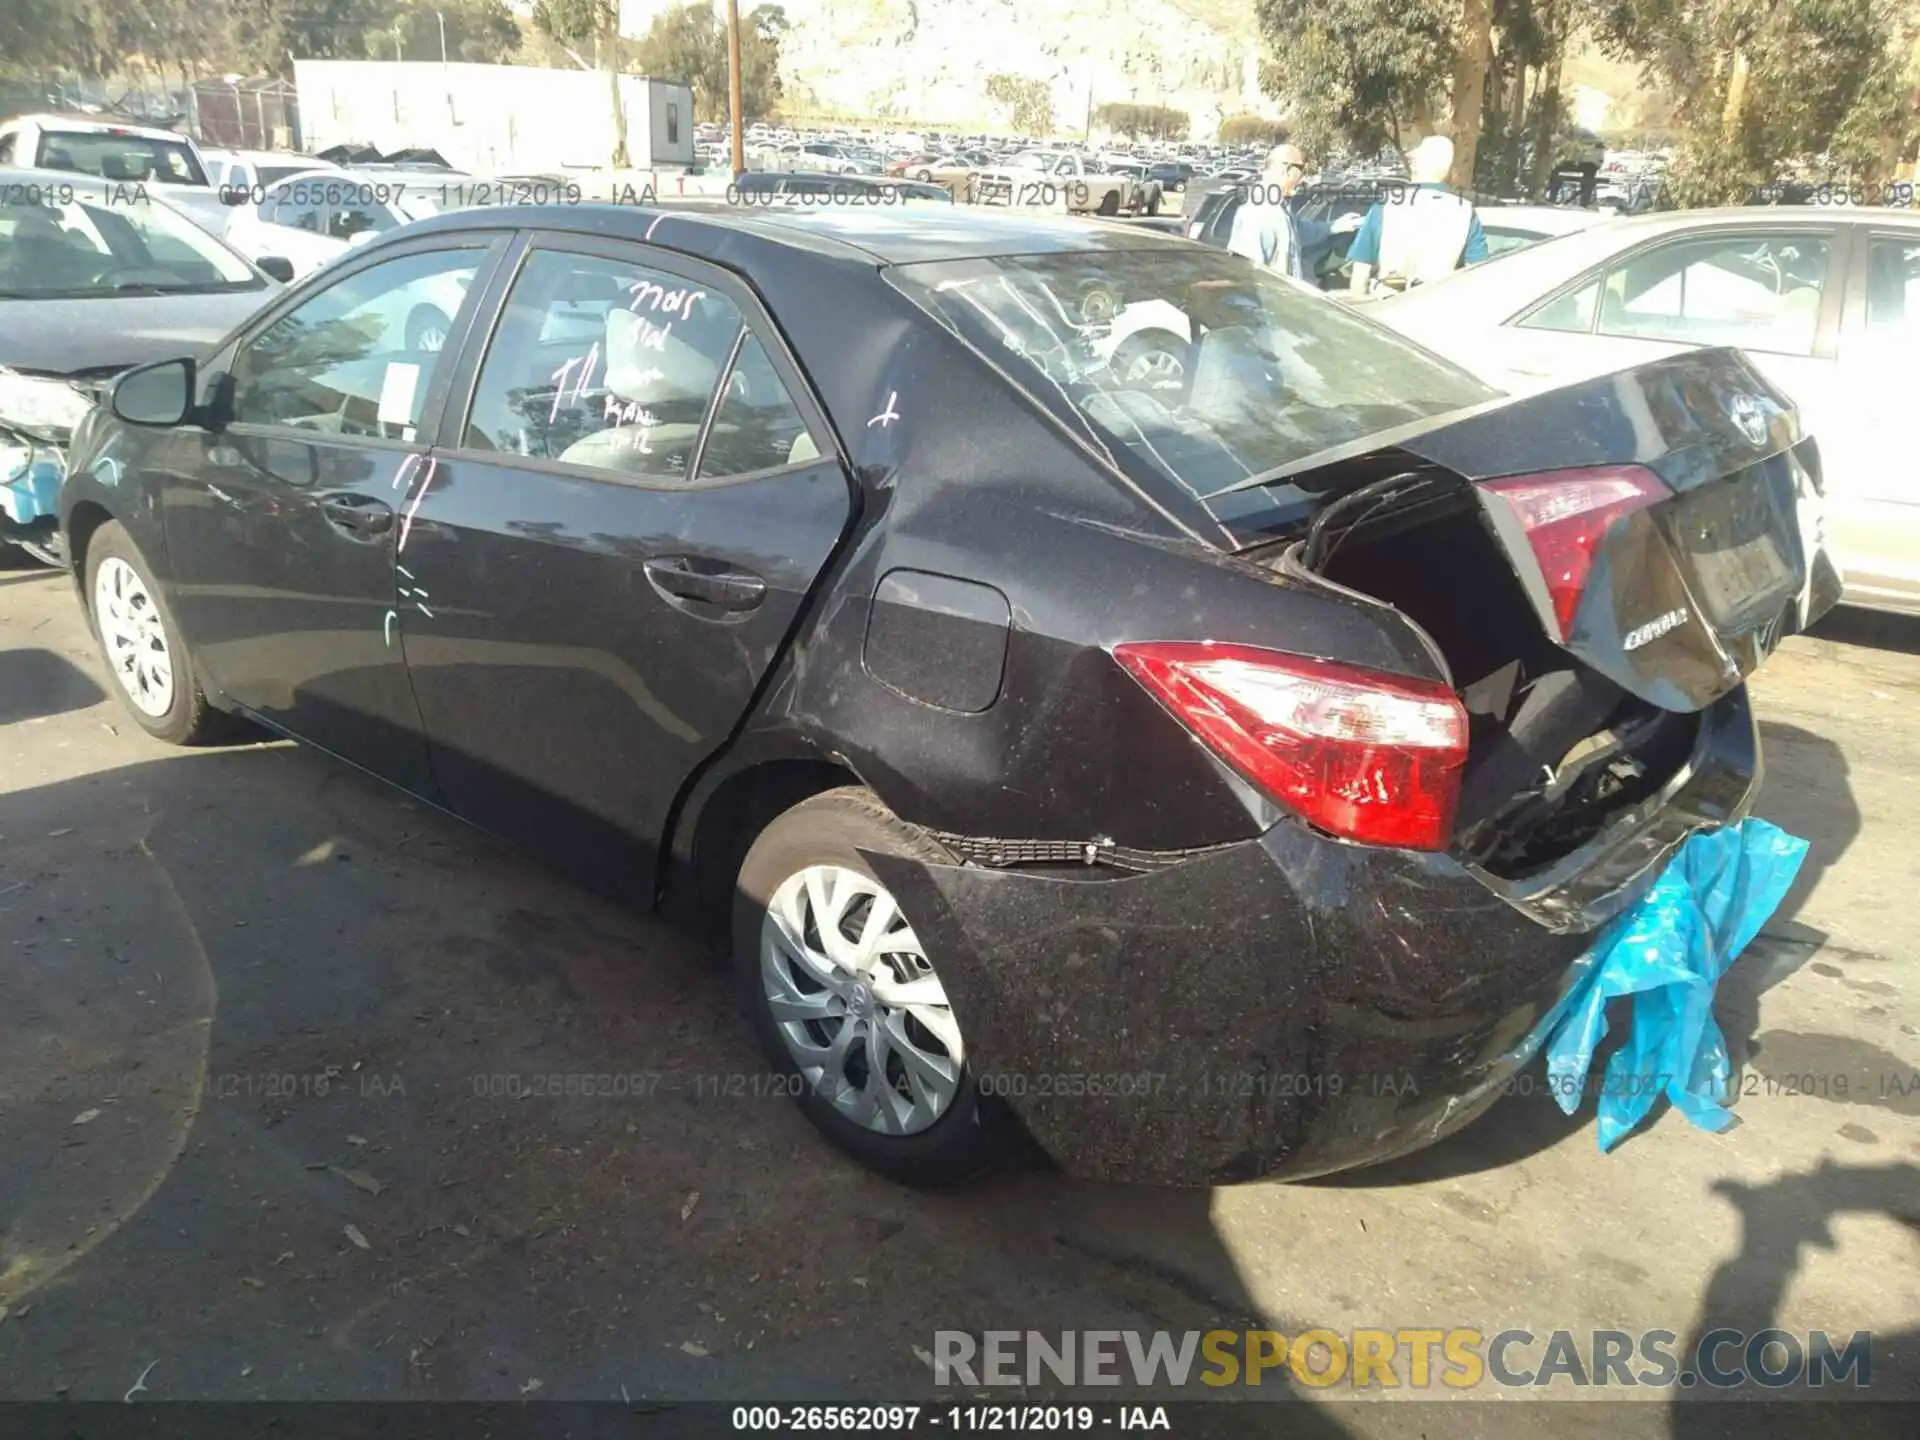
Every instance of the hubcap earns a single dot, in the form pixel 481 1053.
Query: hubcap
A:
pixel 856 1000
pixel 134 639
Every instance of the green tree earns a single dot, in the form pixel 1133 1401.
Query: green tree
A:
pixel 1156 122
pixel 1253 130
pixel 689 43
pixel 1029 102
pixel 482 32
pixel 1352 71
pixel 1761 83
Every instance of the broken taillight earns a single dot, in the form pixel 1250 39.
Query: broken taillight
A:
pixel 1566 513
pixel 1374 758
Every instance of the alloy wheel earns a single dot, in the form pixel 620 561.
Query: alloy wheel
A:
pixel 133 636
pixel 857 1002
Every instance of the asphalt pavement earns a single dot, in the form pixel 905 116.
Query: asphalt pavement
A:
pixel 270 1037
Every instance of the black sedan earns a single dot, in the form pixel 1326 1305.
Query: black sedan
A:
pixel 1207 778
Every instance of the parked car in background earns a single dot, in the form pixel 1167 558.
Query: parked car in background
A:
pixel 312 217
pixel 1825 300
pixel 1013 718
pixel 1062 179
pixel 124 154
pixel 92 281
pixel 1173 176
pixel 241 174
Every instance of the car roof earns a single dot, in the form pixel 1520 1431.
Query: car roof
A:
pixel 97 125
pixel 1551 219
pixel 883 235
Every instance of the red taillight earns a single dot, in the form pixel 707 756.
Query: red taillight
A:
pixel 1374 758
pixel 1566 513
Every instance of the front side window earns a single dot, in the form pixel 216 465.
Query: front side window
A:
pixel 298 206
pixel 1755 289
pixel 359 357
pixel 603 363
pixel 1188 362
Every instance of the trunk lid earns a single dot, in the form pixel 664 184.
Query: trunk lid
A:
pixel 1591 645
pixel 1689 585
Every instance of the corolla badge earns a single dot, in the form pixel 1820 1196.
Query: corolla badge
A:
pixel 1654 628
pixel 1749 416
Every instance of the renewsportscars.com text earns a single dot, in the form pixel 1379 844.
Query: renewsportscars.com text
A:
pixel 1409 1358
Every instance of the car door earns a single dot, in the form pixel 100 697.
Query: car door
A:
pixel 1775 292
pixel 1872 478
pixel 283 521
pixel 608 550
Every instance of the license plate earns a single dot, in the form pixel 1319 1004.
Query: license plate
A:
pixel 1740 563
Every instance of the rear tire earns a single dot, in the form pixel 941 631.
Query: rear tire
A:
pixel 1109 204
pixel 153 673
pixel 887 1082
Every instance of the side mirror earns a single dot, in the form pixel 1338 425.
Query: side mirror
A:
pixel 277 266
pixel 158 395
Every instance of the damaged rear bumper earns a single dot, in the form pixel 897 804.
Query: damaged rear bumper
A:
pixel 1289 1005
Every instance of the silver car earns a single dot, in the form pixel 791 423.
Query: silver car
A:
pixel 1826 299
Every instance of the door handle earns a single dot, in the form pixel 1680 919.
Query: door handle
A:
pixel 686 577
pixel 362 514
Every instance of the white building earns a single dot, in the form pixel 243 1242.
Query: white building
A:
pixel 492 119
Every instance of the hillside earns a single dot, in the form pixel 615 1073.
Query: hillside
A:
pixel 927 61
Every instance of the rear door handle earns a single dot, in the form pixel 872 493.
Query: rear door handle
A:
pixel 362 514
pixel 690 577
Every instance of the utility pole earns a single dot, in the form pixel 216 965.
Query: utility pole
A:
pixel 735 121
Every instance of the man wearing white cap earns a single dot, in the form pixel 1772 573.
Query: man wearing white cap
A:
pixel 1264 228
pixel 1417 235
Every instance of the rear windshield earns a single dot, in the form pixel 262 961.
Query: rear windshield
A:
pixel 135 158
pixel 1190 363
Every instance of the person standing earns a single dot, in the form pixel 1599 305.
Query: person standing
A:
pixel 1418 235
pixel 1264 229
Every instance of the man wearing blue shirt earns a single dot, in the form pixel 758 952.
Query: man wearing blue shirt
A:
pixel 1265 229
pixel 1417 235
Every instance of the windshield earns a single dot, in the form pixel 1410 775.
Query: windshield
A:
pixel 66 243
pixel 1188 362
pixel 1030 160
pixel 120 157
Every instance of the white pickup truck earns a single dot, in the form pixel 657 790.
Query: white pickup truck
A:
pixel 140 157
pixel 1062 179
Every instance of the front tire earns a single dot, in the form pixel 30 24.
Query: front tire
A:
pixel 153 674
pixel 847 1004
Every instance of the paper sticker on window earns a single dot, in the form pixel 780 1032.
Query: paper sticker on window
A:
pixel 396 394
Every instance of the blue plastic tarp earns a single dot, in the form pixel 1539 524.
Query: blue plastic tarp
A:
pixel 1668 951
pixel 35 494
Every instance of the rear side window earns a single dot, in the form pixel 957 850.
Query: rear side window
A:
pixel 757 426
pixel 1893 288
pixel 603 363
pixel 359 357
